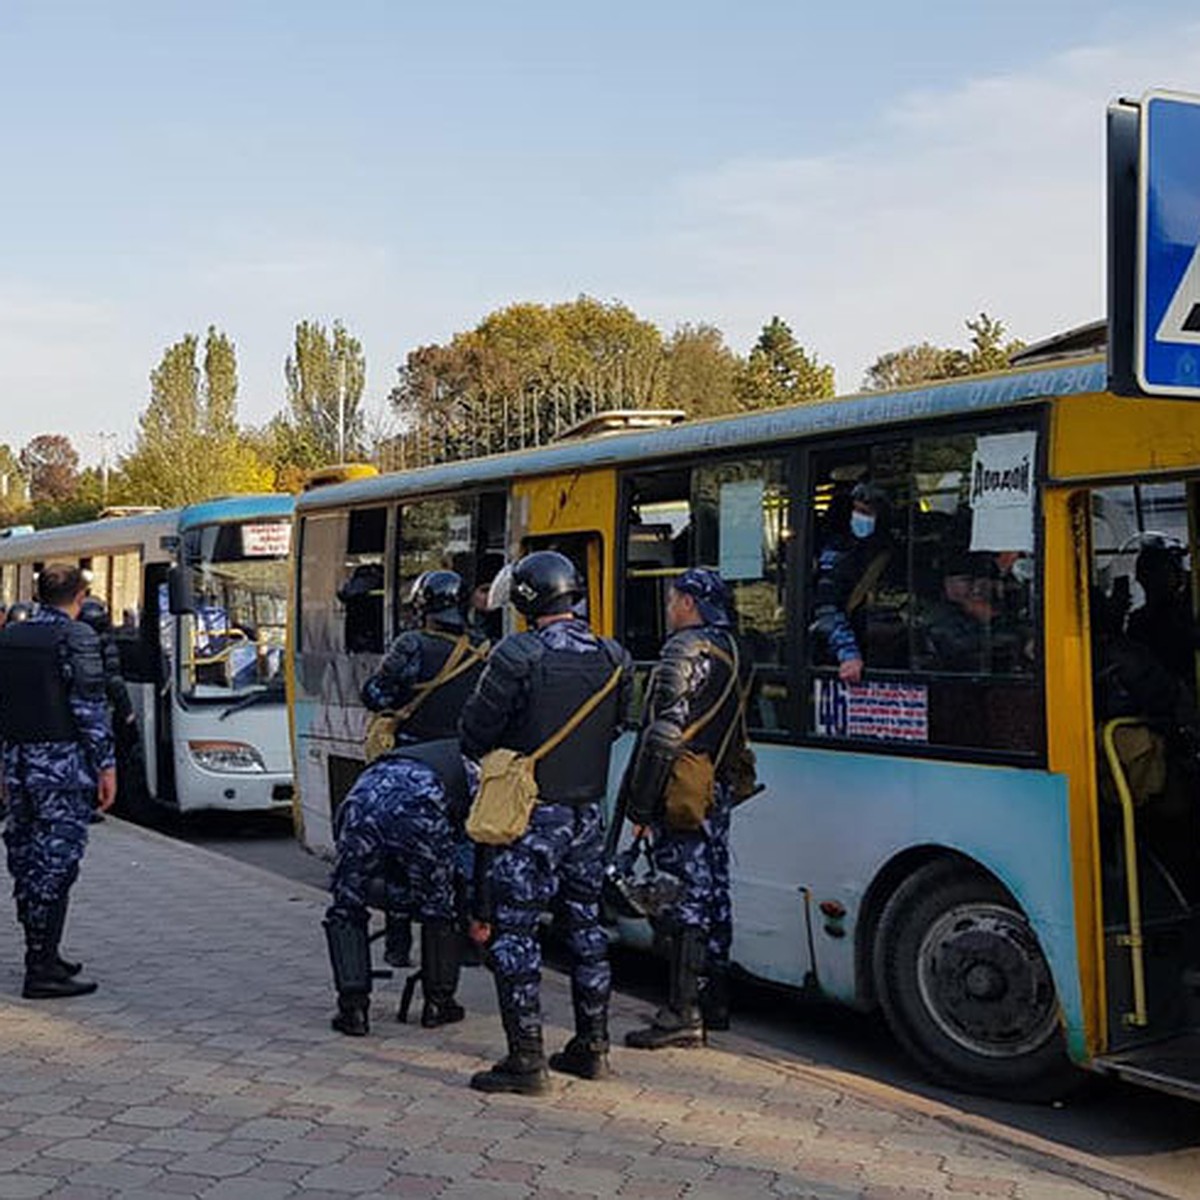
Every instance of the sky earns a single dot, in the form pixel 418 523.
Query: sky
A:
pixel 874 174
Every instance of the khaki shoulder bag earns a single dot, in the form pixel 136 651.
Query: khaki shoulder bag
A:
pixel 507 786
pixel 688 796
pixel 383 727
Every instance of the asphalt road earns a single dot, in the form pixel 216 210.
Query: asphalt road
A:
pixel 1157 1134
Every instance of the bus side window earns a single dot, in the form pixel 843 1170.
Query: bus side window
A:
pixel 361 591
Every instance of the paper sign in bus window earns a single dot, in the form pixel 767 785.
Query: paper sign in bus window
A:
pixel 1001 492
pixel 268 540
pixel 881 711
pixel 741 530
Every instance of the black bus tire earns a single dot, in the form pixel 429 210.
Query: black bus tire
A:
pixel 966 989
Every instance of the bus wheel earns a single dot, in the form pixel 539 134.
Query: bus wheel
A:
pixel 966 989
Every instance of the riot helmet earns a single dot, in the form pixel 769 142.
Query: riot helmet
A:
pixel 20 612
pixel 545 583
pixel 440 596
pixel 94 612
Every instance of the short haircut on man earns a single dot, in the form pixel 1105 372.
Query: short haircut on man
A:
pixel 59 584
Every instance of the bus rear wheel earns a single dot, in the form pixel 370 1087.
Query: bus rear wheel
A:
pixel 966 989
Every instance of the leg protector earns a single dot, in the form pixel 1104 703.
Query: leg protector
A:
pixel 397 939
pixel 714 998
pixel 43 978
pixel 350 958
pixel 679 1023
pixel 439 974
pixel 58 919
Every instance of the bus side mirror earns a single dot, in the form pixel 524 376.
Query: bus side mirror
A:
pixel 179 592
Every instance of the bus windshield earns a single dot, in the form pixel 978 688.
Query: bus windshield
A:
pixel 234 638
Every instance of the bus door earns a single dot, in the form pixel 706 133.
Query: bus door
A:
pixel 1144 633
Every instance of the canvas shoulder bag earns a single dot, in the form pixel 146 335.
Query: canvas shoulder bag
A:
pixel 383 727
pixel 507 786
pixel 688 796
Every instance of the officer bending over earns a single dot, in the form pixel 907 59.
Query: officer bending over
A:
pixel 58 763
pixel 405 813
pixel 425 678
pixel 693 704
pixel 532 686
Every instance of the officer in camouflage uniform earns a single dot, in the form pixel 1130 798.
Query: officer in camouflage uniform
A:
pixel 442 644
pixel 58 763
pixel 405 813
pixel 534 682
pixel 689 681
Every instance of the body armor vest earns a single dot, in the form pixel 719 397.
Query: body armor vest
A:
pixel 445 758
pixel 708 740
pixel 576 772
pixel 34 700
pixel 437 716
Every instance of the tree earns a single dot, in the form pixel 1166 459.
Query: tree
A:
pixel 188 446
pixel 780 371
pixel 701 372
pixel 325 374
pixel 51 464
pixel 14 487
pixel 923 363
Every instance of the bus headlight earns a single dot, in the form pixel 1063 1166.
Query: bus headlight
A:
pixel 229 757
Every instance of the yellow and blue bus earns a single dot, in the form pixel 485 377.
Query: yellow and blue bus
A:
pixel 976 836
pixel 198 598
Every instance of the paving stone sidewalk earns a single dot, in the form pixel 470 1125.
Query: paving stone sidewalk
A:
pixel 205 1066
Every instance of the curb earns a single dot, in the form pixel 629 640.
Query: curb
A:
pixel 1027 1148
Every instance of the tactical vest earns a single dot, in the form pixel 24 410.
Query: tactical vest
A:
pixel 576 772
pixel 437 716
pixel 34 696
pixel 445 758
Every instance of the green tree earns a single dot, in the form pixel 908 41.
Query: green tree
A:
pixel 701 372
pixel 326 374
pixel 51 464
pixel 925 362
pixel 14 487
pixel 188 445
pixel 780 371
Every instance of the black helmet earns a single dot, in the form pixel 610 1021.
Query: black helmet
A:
pixel 441 595
pixel 544 583
pixel 94 612
pixel 20 611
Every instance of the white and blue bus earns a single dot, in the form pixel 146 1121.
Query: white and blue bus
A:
pixel 199 599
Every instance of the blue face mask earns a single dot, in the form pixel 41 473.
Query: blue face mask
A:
pixel 862 525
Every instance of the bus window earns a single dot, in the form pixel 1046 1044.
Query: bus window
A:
pixel 125 601
pixel 437 534
pixel 922 611
pixel 361 588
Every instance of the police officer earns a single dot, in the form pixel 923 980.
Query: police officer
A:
pixel 534 683
pixel 425 677
pixel 693 687
pixel 404 812
pixel 58 761
pixel 848 568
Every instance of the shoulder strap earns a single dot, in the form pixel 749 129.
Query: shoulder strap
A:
pixel 461 658
pixel 580 715
pixel 868 580
pixel 730 660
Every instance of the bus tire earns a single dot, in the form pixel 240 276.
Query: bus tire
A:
pixel 966 989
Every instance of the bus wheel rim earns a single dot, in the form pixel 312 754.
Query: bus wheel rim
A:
pixel 984 981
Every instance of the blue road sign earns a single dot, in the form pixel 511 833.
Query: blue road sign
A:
pixel 1167 353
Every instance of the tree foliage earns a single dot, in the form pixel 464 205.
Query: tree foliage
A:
pixel 51 465
pixel 326 374
pixel 529 372
pixel 780 371
pixel 925 362
pixel 188 445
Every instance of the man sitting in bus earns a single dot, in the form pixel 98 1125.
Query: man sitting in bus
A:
pixel 1164 623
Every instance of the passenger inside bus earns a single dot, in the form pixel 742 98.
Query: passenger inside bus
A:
pixel 1163 623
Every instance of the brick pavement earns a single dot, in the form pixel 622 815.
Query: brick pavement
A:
pixel 205 1066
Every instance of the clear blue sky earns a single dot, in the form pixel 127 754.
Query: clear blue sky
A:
pixel 874 173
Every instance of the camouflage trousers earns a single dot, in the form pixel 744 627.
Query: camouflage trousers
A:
pixel 701 860
pixel 559 857
pixel 393 825
pixel 45 836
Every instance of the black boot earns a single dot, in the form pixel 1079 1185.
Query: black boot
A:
pixel 586 1054
pixel 350 957
pixel 679 1022
pixel 58 918
pixel 44 980
pixel 714 998
pixel 522 1071
pixel 439 974
pixel 397 939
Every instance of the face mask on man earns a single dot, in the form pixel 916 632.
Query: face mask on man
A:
pixel 862 525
